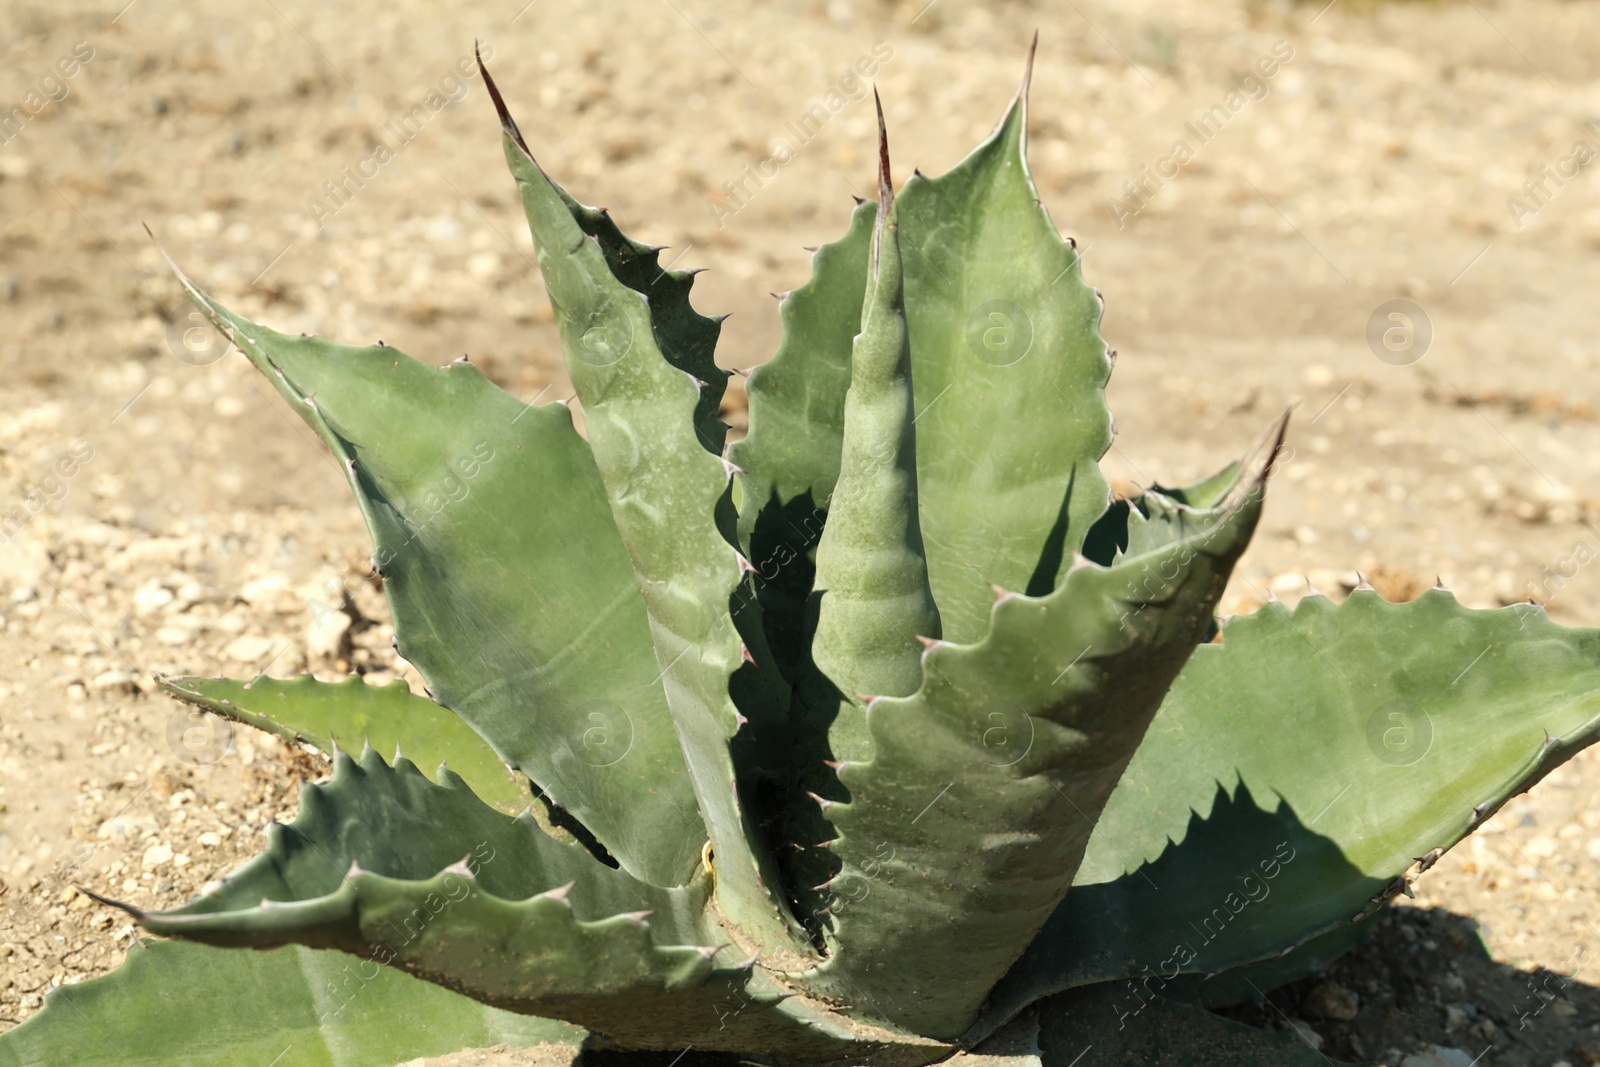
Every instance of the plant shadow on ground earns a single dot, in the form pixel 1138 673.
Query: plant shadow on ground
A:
pixel 1425 978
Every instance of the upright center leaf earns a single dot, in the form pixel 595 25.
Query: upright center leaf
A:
pixel 872 595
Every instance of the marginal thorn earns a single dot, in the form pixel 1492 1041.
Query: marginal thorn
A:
pixel 822 802
pixel 748 963
pixel 638 916
pixel 1000 593
pixel 709 952
pixel 1079 561
pixel 460 867
pixel 745 566
pixel 739 719
pixel 1547 744
pixel 744 654
pixel 355 869
pixel 1312 590
pixel 1480 810
pixel 928 643
pixel 1288 950
pixel 742 372
pixel 1438 583
pixel 730 468
pixel 1362 585
pixel 559 893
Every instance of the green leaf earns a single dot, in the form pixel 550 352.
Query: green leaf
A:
pixel 667 490
pixel 1301 770
pixel 790 457
pixel 510 588
pixel 515 919
pixel 1010 372
pixel 871 590
pixel 400 871
pixel 173 1004
pixel 395 822
pixel 352 714
pixel 964 829
pixel 788 464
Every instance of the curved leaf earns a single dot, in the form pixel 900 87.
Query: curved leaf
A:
pixel 1301 771
pixel 352 714
pixel 393 821
pixel 510 588
pixel 964 828
pixel 173 1004
pixel 667 490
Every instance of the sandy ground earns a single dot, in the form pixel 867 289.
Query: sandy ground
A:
pixel 179 519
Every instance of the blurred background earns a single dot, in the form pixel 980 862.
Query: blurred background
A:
pixel 1382 213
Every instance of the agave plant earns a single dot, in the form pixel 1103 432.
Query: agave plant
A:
pixel 881 736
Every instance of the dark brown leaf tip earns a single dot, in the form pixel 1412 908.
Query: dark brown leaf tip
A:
pixel 507 123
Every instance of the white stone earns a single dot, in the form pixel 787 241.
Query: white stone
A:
pixel 249 648
pixel 151 597
pixel 1438 1056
